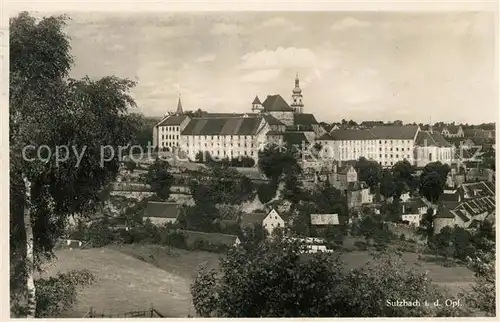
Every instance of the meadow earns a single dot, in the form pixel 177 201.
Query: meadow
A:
pixel 136 277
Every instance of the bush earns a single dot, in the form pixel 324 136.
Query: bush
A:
pixel 361 245
pixel 402 237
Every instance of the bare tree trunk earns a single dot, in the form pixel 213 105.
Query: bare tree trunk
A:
pixel 29 263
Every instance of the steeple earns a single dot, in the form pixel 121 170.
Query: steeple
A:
pixel 256 104
pixel 179 106
pixel 297 103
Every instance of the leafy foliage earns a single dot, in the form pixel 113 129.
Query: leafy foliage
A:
pixel 276 280
pixel 266 192
pixel 160 179
pixel 47 108
pixel 275 163
pixel 433 180
pixel 57 294
pixel 368 171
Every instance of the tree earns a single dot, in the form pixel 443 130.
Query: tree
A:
pixel 276 280
pixel 48 108
pixel 482 296
pixel 275 163
pixel 368 171
pixel 387 184
pixel 130 165
pixel 266 192
pixel 403 171
pixel 442 243
pixel 426 226
pixel 431 186
pixel 160 179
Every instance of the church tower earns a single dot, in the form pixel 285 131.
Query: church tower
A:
pixel 179 107
pixel 297 103
pixel 256 105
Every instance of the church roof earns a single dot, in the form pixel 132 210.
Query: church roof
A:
pixel 271 120
pixel 223 126
pixel 427 138
pixel 304 119
pixel 256 100
pixel 276 103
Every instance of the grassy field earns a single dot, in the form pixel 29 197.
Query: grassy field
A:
pixel 126 284
pixel 134 277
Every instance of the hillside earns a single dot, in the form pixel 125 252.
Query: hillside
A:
pixel 124 284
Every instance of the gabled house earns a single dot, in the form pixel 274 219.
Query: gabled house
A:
pixel 269 220
pixel 413 210
pixel 160 213
pixel 453 131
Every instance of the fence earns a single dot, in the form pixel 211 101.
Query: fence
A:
pixel 151 313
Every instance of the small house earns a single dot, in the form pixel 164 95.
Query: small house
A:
pixel 269 220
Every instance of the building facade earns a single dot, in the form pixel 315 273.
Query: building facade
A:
pixel 384 144
pixel 167 133
pixel 225 137
pixel 431 146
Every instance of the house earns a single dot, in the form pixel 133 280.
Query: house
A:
pixel 412 211
pixel 452 131
pixel 160 213
pixel 477 189
pixel 321 221
pixel 475 175
pixel 443 218
pixel 465 213
pixel 358 194
pixel 269 220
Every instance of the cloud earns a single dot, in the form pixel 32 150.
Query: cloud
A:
pixel 280 22
pixel 225 29
pixel 206 58
pixel 348 23
pixel 261 76
pixel 290 57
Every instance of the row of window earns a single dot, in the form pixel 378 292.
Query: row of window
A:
pixel 373 142
pixel 169 128
pixel 220 137
pixel 218 145
pixel 170 137
pixel 229 154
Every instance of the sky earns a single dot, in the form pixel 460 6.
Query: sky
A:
pixel 414 67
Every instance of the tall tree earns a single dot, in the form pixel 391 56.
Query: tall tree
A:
pixel 160 179
pixel 433 180
pixel 368 171
pixel 76 119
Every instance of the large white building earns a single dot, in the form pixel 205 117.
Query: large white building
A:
pixel 387 145
pixel 225 137
pixel 384 144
